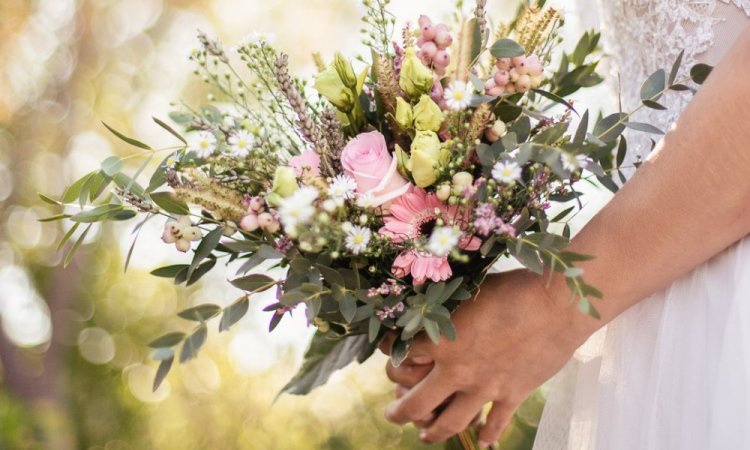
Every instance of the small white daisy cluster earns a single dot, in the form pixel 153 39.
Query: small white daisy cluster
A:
pixel 298 209
pixel 573 162
pixel 443 240
pixel 342 188
pixel 357 238
pixel 205 144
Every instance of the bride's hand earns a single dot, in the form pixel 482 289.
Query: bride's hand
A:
pixel 511 339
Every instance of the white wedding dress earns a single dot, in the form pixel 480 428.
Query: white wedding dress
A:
pixel 673 372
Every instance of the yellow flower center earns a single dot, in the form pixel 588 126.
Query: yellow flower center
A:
pixel 358 239
pixel 458 95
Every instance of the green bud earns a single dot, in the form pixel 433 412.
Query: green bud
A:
pixel 345 71
pixel 427 155
pixel 404 114
pixel 427 115
pixel 284 185
pixel 328 83
pixel 415 79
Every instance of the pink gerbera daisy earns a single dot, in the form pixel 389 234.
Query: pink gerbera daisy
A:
pixel 412 218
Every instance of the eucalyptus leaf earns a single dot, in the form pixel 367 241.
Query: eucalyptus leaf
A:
pixel 169 202
pixel 193 343
pixel 161 373
pixel 506 48
pixel 234 313
pixel 200 313
pixel 654 86
pixel 130 141
pixel 112 165
pixel 170 130
pixel 254 283
pixel 167 340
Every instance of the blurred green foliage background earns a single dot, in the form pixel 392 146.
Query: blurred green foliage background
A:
pixel 74 368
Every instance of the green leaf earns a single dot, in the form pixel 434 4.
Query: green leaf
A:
pixel 49 200
pixel 128 184
pixel 332 276
pixel 293 297
pixel 169 271
pixel 262 254
pixel 130 141
pixel 162 353
pixel 200 271
pixel 112 165
pixel 506 48
pixel 400 351
pixel 169 202
pixel 582 129
pixel 654 105
pixel 325 356
pixel 448 330
pixel 167 340
pixel 555 98
pixel 206 247
pixel 526 255
pixel 700 72
pixel 193 344
pixel 432 329
pixel 675 68
pixel 69 256
pixel 200 313
pixel 171 130
pixel 586 307
pixel 348 307
pixel 254 283
pixel 159 177
pixel 98 214
pixel 67 236
pixel 610 127
pixel 234 313
pixel 55 218
pixel 654 86
pixel 161 373
pixel 644 127
pixel 373 328
pixel 573 272
pixel 74 190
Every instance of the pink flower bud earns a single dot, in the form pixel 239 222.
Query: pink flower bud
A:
pixel 441 58
pixel 518 60
pixel 443 39
pixel 502 77
pixel 503 64
pixel 424 21
pixel 257 203
pixel 429 32
pixel 429 49
pixel 249 223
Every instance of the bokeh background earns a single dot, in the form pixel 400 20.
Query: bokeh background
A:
pixel 74 368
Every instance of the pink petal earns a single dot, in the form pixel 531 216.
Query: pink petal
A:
pixel 470 243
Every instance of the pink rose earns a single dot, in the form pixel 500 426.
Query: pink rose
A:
pixel 367 159
pixel 309 160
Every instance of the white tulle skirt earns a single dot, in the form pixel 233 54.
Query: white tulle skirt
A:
pixel 673 372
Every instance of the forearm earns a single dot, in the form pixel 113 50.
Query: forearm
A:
pixel 689 200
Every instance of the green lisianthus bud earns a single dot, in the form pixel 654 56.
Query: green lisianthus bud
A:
pixel 427 155
pixel 427 115
pixel 404 114
pixel 328 83
pixel 461 181
pixel 345 71
pixel 284 185
pixel 402 162
pixel 416 79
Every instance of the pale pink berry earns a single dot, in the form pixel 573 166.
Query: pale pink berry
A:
pixel 503 64
pixel 440 71
pixel 249 223
pixel 502 77
pixel 424 21
pixel 522 69
pixel 441 27
pixel 257 203
pixel 192 234
pixel 514 75
pixel 171 233
pixel 421 41
pixel 429 32
pixel 536 81
pixel 441 59
pixel 443 39
pixel 510 89
pixel 489 84
pixel 429 49
pixel 518 60
pixel 426 60
pixel 273 227
pixel 182 245
pixel 265 219
pixel 534 66
pixel 496 91
pixel 523 83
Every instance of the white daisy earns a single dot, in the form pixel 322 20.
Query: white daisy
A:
pixel 573 162
pixel 242 143
pixel 458 95
pixel 298 209
pixel 258 38
pixel 203 144
pixel 357 239
pixel 443 240
pixel 342 187
pixel 506 172
pixel 366 200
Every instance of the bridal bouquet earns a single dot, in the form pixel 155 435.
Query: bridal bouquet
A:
pixel 376 198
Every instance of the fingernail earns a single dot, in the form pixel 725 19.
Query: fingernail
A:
pixel 483 444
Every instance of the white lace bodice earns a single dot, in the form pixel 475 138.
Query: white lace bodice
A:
pixel 641 36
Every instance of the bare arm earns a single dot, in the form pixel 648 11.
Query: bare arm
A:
pixel 688 202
